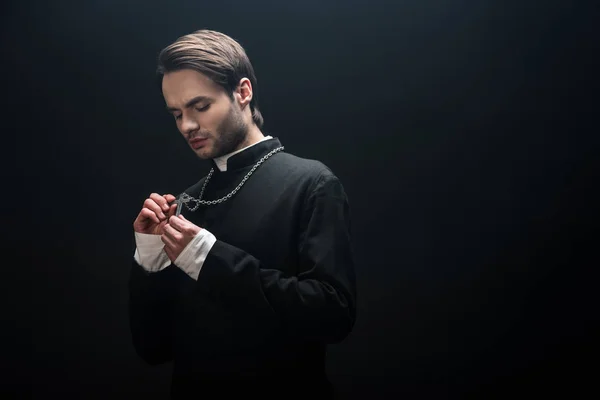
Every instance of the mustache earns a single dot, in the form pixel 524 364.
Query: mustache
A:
pixel 201 135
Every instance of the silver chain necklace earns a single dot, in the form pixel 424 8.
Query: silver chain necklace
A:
pixel 186 198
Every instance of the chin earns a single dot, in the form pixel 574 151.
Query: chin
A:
pixel 203 153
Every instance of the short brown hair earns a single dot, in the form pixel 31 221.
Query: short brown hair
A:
pixel 216 55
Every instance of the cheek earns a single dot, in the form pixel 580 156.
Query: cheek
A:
pixel 219 115
pixel 179 125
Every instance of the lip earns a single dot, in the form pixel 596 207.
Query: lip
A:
pixel 198 142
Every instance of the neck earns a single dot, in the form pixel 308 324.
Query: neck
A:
pixel 254 135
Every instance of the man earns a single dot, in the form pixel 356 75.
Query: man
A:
pixel 245 288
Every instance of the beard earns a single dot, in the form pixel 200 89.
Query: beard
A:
pixel 229 135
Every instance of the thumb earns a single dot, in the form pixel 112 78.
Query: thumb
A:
pixel 172 210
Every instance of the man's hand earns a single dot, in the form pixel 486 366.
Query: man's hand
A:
pixel 177 233
pixel 155 214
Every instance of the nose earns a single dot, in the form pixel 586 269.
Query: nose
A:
pixel 189 125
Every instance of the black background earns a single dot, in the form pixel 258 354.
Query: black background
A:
pixel 460 129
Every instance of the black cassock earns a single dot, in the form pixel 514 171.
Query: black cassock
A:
pixel 276 288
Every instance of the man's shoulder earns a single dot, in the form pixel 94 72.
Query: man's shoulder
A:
pixel 305 167
pixel 313 175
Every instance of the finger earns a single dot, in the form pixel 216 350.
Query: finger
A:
pixel 155 208
pixel 172 233
pixel 168 241
pixel 149 214
pixel 181 220
pixel 176 222
pixel 171 211
pixel 160 200
pixel 169 198
pixel 184 226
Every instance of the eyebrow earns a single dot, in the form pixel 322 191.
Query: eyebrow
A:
pixel 190 103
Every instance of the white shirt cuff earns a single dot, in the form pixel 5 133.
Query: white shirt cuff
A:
pixel 150 253
pixel 193 255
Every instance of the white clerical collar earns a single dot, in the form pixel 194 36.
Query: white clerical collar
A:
pixel 222 161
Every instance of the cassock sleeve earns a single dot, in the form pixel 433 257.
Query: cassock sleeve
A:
pixel 317 304
pixel 151 304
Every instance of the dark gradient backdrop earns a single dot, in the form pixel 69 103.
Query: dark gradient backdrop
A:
pixel 460 130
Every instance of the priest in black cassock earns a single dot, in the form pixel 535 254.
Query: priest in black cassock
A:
pixel 245 287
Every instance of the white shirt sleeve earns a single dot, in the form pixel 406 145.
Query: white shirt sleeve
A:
pixel 150 253
pixel 193 255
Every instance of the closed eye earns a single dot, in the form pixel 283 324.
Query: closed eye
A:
pixel 199 109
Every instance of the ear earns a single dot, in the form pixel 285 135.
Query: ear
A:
pixel 243 93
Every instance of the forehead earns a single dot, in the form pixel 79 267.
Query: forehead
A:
pixel 180 86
